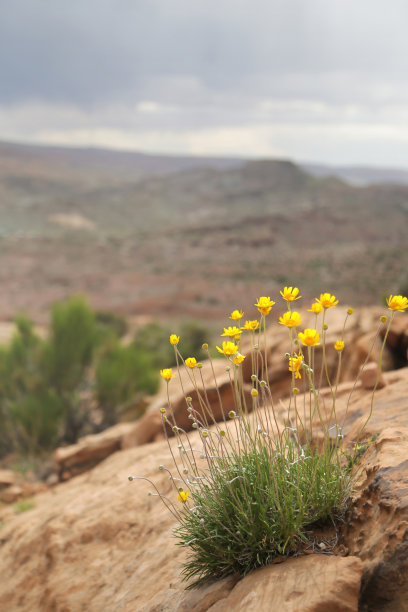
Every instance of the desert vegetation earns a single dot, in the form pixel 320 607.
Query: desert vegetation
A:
pixel 257 484
pixel 79 378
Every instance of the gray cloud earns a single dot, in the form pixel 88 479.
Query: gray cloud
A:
pixel 93 51
pixel 123 71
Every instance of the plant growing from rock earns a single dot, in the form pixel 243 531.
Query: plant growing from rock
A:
pixel 260 479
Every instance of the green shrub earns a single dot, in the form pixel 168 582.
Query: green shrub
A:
pixel 154 339
pixel 46 386
pixel 69 350
pixel 121 373
pixel 111 322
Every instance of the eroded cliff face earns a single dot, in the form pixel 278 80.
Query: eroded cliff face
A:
pixel 98 542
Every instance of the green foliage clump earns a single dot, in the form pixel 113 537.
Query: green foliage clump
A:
pixel 111 322
pixel 154 339
pixel 48 385
pixel 122 372
pixel 256 506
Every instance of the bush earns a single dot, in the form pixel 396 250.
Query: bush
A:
pixel 111 322
pixel 46 386
pixel 122 372
pixel 154 339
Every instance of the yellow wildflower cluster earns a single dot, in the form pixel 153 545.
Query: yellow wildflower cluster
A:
pixel 228 349
pixel 191 362
pixel 232 332
pixel 309 337
pixel 290 294
pixel 290 319
pixel 327 300
pixel 397 302
pixel 183 495
pixel 295 363
pixel 167 374
pixel 251 325
pixel 264 305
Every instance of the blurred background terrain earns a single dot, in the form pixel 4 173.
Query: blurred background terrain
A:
pixel 164 236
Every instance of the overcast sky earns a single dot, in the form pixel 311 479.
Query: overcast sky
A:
pixel 312 80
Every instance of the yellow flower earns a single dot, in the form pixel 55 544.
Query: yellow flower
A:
pixel 236 315
pixel 339 346
pixel 327 300
pixel 238 359
pixel 397 302
pixel 316 308
pixel 232 332
pixel 191 362
pixel 309 337
pixel 228 349
pixel 167 374
pixel 174 339
pixel 295 363
pixel 290 319
pixel 251 325
pixel 350 311
pixel 264 305
pixel 289 294
pixel 183 495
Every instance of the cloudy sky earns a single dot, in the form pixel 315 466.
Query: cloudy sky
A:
pixel 312 80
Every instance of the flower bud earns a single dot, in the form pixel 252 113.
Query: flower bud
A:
pixel 194 426
pixel 175 428
pixel 162 410
pixel 263 383
pixel 205 346
pixel 383 319
pixel 130 478
pixel 232 414
pixel 254 392
pixel 254 377
pixel 222 433
pixel 227 369
pixel 189 399
pixel 296 390
pixel 350 311
pixel 204 433
pixel 325 326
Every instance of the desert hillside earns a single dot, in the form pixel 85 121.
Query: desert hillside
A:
pixel 143 234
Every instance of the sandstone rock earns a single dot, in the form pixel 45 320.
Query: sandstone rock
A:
pixel 370 377
pixel 376 526
pixel 311 584
pixel 11 494
pixel 90 450
pixel 7 478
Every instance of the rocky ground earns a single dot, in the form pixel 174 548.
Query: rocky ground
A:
pixel 97 542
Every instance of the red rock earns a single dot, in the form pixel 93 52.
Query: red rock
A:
pixel 7 478
pixel 370 377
